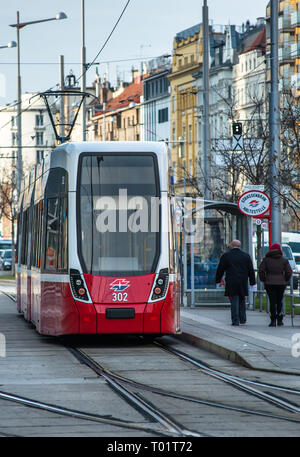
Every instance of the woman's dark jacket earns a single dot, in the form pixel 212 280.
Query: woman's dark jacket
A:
pixel 238 267
pixel 275 269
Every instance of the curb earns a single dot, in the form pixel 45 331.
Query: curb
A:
pixel 228 354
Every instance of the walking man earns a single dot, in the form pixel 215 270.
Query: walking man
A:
pixel 238 267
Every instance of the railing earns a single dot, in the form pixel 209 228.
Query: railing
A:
pixel 292 291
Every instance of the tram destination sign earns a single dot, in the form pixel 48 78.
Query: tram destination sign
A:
pixel 254 203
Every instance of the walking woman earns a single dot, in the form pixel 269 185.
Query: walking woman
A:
pixel 275 272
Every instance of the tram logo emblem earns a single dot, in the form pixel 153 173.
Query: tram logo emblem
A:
pixel 119 285
pixel 254 203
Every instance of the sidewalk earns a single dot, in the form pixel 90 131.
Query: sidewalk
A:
pixel 255 344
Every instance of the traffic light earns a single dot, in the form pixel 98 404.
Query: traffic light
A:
pixel 237 128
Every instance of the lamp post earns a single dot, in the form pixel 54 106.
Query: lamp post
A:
pixel 206 127
pixel 19 25
pixel 83 69
pixel 275 129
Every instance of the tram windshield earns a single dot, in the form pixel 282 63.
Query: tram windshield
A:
pixel 117 233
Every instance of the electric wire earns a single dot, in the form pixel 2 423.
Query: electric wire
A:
pixel 106 41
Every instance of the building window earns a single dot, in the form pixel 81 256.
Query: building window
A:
pixel 163 115
pixel 39 138
pixel 39 120
pixel 39 156
pixel 191 168
pixel 14 138
pixel 190 134
pixel 13 122
pixel 119 121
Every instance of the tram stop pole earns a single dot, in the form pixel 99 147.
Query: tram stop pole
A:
pixel 192 271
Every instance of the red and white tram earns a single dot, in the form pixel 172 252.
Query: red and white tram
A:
pixel 96 250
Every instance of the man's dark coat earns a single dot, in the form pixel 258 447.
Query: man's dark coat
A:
pixel 238 267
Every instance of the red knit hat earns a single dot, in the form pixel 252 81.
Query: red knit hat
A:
pixel 275 246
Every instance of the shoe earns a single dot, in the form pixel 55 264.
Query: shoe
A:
pixel 279 320
pixel 243 322
pixel 272 323
pixel 234 324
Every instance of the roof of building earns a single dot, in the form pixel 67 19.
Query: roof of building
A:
pixel 190 32
pixel 130 94
pixel 259 42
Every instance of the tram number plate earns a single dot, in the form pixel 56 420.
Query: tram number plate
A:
pixel 119 296
pixel 120 313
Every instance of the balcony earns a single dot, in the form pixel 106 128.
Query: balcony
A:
pixel 295 84
pixel 285 55
pixel 295 50
pixel 295 18
pixel 284 23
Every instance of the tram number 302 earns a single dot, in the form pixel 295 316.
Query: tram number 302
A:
pixel 119 296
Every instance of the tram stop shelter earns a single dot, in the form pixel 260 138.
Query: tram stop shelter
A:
pixel 223 222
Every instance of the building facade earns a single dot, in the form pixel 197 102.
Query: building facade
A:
pixel 156 101
pixel 37 139
pixel 187 58
pixel 119 119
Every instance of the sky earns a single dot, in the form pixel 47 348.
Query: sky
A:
pixel 145 31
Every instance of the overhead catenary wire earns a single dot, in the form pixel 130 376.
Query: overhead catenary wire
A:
pixel 106 41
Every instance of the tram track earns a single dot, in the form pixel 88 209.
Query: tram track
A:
pixel 137 401
pixel 78 414
pixel 140 386
pixel 167 426
pixel 238 382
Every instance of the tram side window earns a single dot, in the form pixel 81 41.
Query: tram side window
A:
pixel 36 236
pixel 24 246
pixel 56 234
pixel 63 235
pixel 52 227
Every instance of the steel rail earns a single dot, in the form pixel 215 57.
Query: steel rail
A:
pixel 230 380
pixel 76 413
pixel 165 393
pixel 142 405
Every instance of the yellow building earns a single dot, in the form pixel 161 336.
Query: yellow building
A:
pixel 289 44
pixel 187 58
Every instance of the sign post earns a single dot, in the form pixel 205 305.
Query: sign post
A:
pixel 256 204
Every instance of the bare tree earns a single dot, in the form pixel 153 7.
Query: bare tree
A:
pixel 250 164
pixel 8 204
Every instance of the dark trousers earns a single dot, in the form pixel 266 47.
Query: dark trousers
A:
pixel 238 309
pixel 275 294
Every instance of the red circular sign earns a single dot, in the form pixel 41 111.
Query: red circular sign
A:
pixel 254 203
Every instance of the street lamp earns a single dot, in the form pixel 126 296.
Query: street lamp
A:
pixel 19 25
pixel 11 44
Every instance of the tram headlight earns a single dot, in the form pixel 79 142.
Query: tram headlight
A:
pixel 77 285
pixel 161 285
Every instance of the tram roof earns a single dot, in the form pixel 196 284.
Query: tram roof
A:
pixel 113 146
